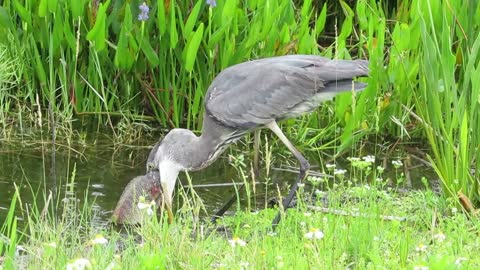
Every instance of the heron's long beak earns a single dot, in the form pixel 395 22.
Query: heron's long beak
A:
pixel 169 213
pixel 167 199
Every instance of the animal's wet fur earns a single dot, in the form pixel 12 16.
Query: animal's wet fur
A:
pixel 148 186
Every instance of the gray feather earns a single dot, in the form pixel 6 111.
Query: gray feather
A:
pixel 255 93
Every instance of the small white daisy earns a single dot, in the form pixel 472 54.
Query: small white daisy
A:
pixel 397 163
pixel 98 240
pixel 331 166
pixel 439 237
pixel 421 248
pixel 369 159
pixel 79 264
pixel 353 159
pixel 236 241
pixel 314 234
pixel 460 260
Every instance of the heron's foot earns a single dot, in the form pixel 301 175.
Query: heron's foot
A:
pixel 291 194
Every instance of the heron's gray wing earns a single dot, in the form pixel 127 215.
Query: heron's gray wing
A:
pixel 255 93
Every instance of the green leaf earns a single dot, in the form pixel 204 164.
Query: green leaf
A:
pixel 58 29
pixel 285 34
pixel 150 54
pixel 192 19
pixel 161 20
pixel 23 12
pixel 361 14
pixel 39 69
pixel 123 56
pixel 52 5
pixel 5 21
pixel 42 8
pixel 98 31
pixel 77 8
pixel 69 34
pixel 192 48
pixel 306 9
pixel 228 11
pixel 215 38
pixel 173 28
pixel 464 141
pixel 320 25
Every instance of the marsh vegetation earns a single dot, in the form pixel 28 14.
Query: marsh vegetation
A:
pixel 82 78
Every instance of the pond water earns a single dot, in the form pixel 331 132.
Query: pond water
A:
pixel 101 170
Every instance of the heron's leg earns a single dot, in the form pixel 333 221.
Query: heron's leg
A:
pixel 227 205
pixel 304 166
pixel 256 150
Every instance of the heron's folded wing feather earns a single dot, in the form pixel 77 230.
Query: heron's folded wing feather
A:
pixel 255 93
pixel 265 96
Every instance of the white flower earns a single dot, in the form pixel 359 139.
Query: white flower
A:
pixel 150 211
pixel 460 260
pixel 369 159
pixel 380 169
pixel 421 248
pixel 397 163
pixel 307 214
pixel 303 224
pixel 353 159
pixel 301 185
pixel 331 166
pixel 420 267
pixel 79 264
pixel 111 266
pixel 280 262
pixel 237 242
pixel 99 240
pixel 142 205
pixel 244 265
pixel 454 210
pixel 339 172
pixel 439 237
pixel 314 179
pixel 314 233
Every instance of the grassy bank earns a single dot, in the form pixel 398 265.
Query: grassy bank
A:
pixel 359 227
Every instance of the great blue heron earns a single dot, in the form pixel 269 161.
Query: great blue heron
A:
pixel 250 96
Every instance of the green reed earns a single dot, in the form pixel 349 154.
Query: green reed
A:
pixel 88 57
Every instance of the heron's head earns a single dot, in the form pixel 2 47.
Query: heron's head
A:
pixel 169 156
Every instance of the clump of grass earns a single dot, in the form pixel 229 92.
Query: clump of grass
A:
pixel 354 233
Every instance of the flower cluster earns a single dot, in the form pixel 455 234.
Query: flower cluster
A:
pixel 144 9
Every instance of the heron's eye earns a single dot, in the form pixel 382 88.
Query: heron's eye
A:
pixel 150 166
